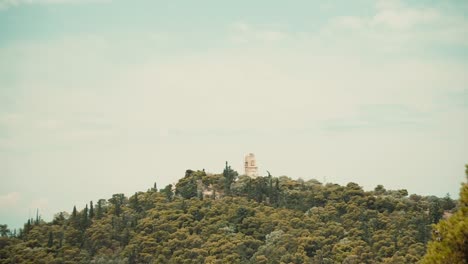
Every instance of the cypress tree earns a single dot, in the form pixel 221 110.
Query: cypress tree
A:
pixel 50 242
pixel 61 235
pixel 74 212
pixel 91 210
pixel 134 203
pixel 84 219
pixel 37 217
pixel 99 209
pixel 229 177
pixel 27 227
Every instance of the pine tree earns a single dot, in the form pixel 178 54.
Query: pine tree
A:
pixel 99 209
pixel 50 242
pixel 36 222
pixel 4 231
pixel 229 177
pixel 91 210
pixel 74 212
pixel 84 218
pixel 134 203
pixel 117 201
pixel 27 227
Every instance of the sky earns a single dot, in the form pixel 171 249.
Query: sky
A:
pixel 100 96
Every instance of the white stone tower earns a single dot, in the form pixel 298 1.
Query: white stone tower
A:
pixel 250 165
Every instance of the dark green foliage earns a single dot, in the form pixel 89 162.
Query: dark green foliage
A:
pixel 117 201
pixel 261 220
pixel 450 237
pixel 36 222
pixel 134 203
pixel 50 241
pixel 230 176
pixel 187 186
pixel 168 193
pixel 4 231
pixel 84 218
pixel 100 208
pixel 91 210
pixel 74 213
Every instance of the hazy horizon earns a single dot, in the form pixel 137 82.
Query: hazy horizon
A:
pixel 100 97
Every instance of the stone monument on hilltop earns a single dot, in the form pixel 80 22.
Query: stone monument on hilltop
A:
pixel 250 165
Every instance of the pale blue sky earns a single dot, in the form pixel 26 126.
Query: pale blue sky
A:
pixel 102 97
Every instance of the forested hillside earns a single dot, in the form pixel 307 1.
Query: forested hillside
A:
pixel 224 218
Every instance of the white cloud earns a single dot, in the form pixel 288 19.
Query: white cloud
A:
pixel 241 32
pixel 349 22
pixel 389 15
pixel 9 119
pixel 397 29
pixel 397 16
pixel 9 200
pixel 4 4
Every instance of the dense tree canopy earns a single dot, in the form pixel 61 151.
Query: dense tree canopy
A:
pixel 246 220
pixel 450 236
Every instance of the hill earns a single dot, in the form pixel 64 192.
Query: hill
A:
pixel 223 218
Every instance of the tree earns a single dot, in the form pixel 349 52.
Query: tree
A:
pixel 91 210
pixel 379 190
pixel 168 192
pixel 74 213
pixel 27 227
pixel 450 237
pixel 187 186
pixel 100 210
pixel 84 218
pixel 448 203
pixel 435 212
pixel 117 201
pixel 135 203
pixel 50 241
pixel 230 176
pixel 36 222
pixel 263 220
pixel 4 231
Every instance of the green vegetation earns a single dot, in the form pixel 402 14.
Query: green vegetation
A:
pixel 226 218
pixel 450 237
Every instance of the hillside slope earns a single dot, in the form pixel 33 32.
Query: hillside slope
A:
pixel 262 220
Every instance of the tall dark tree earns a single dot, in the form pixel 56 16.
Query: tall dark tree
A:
pixel 99 211
pixel 74 213
pixel 91 210
pixel 230 176
pixel 187 186
pixel 448 203
pixel 36 222
pixel 84 218
pixel 435 211
pixel 117 201
pixel 168 192
pixel 135 203
pixel 27 227
pixel 50 241
pixel 4 231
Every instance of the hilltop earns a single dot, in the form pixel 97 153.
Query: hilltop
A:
pixel 226 218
